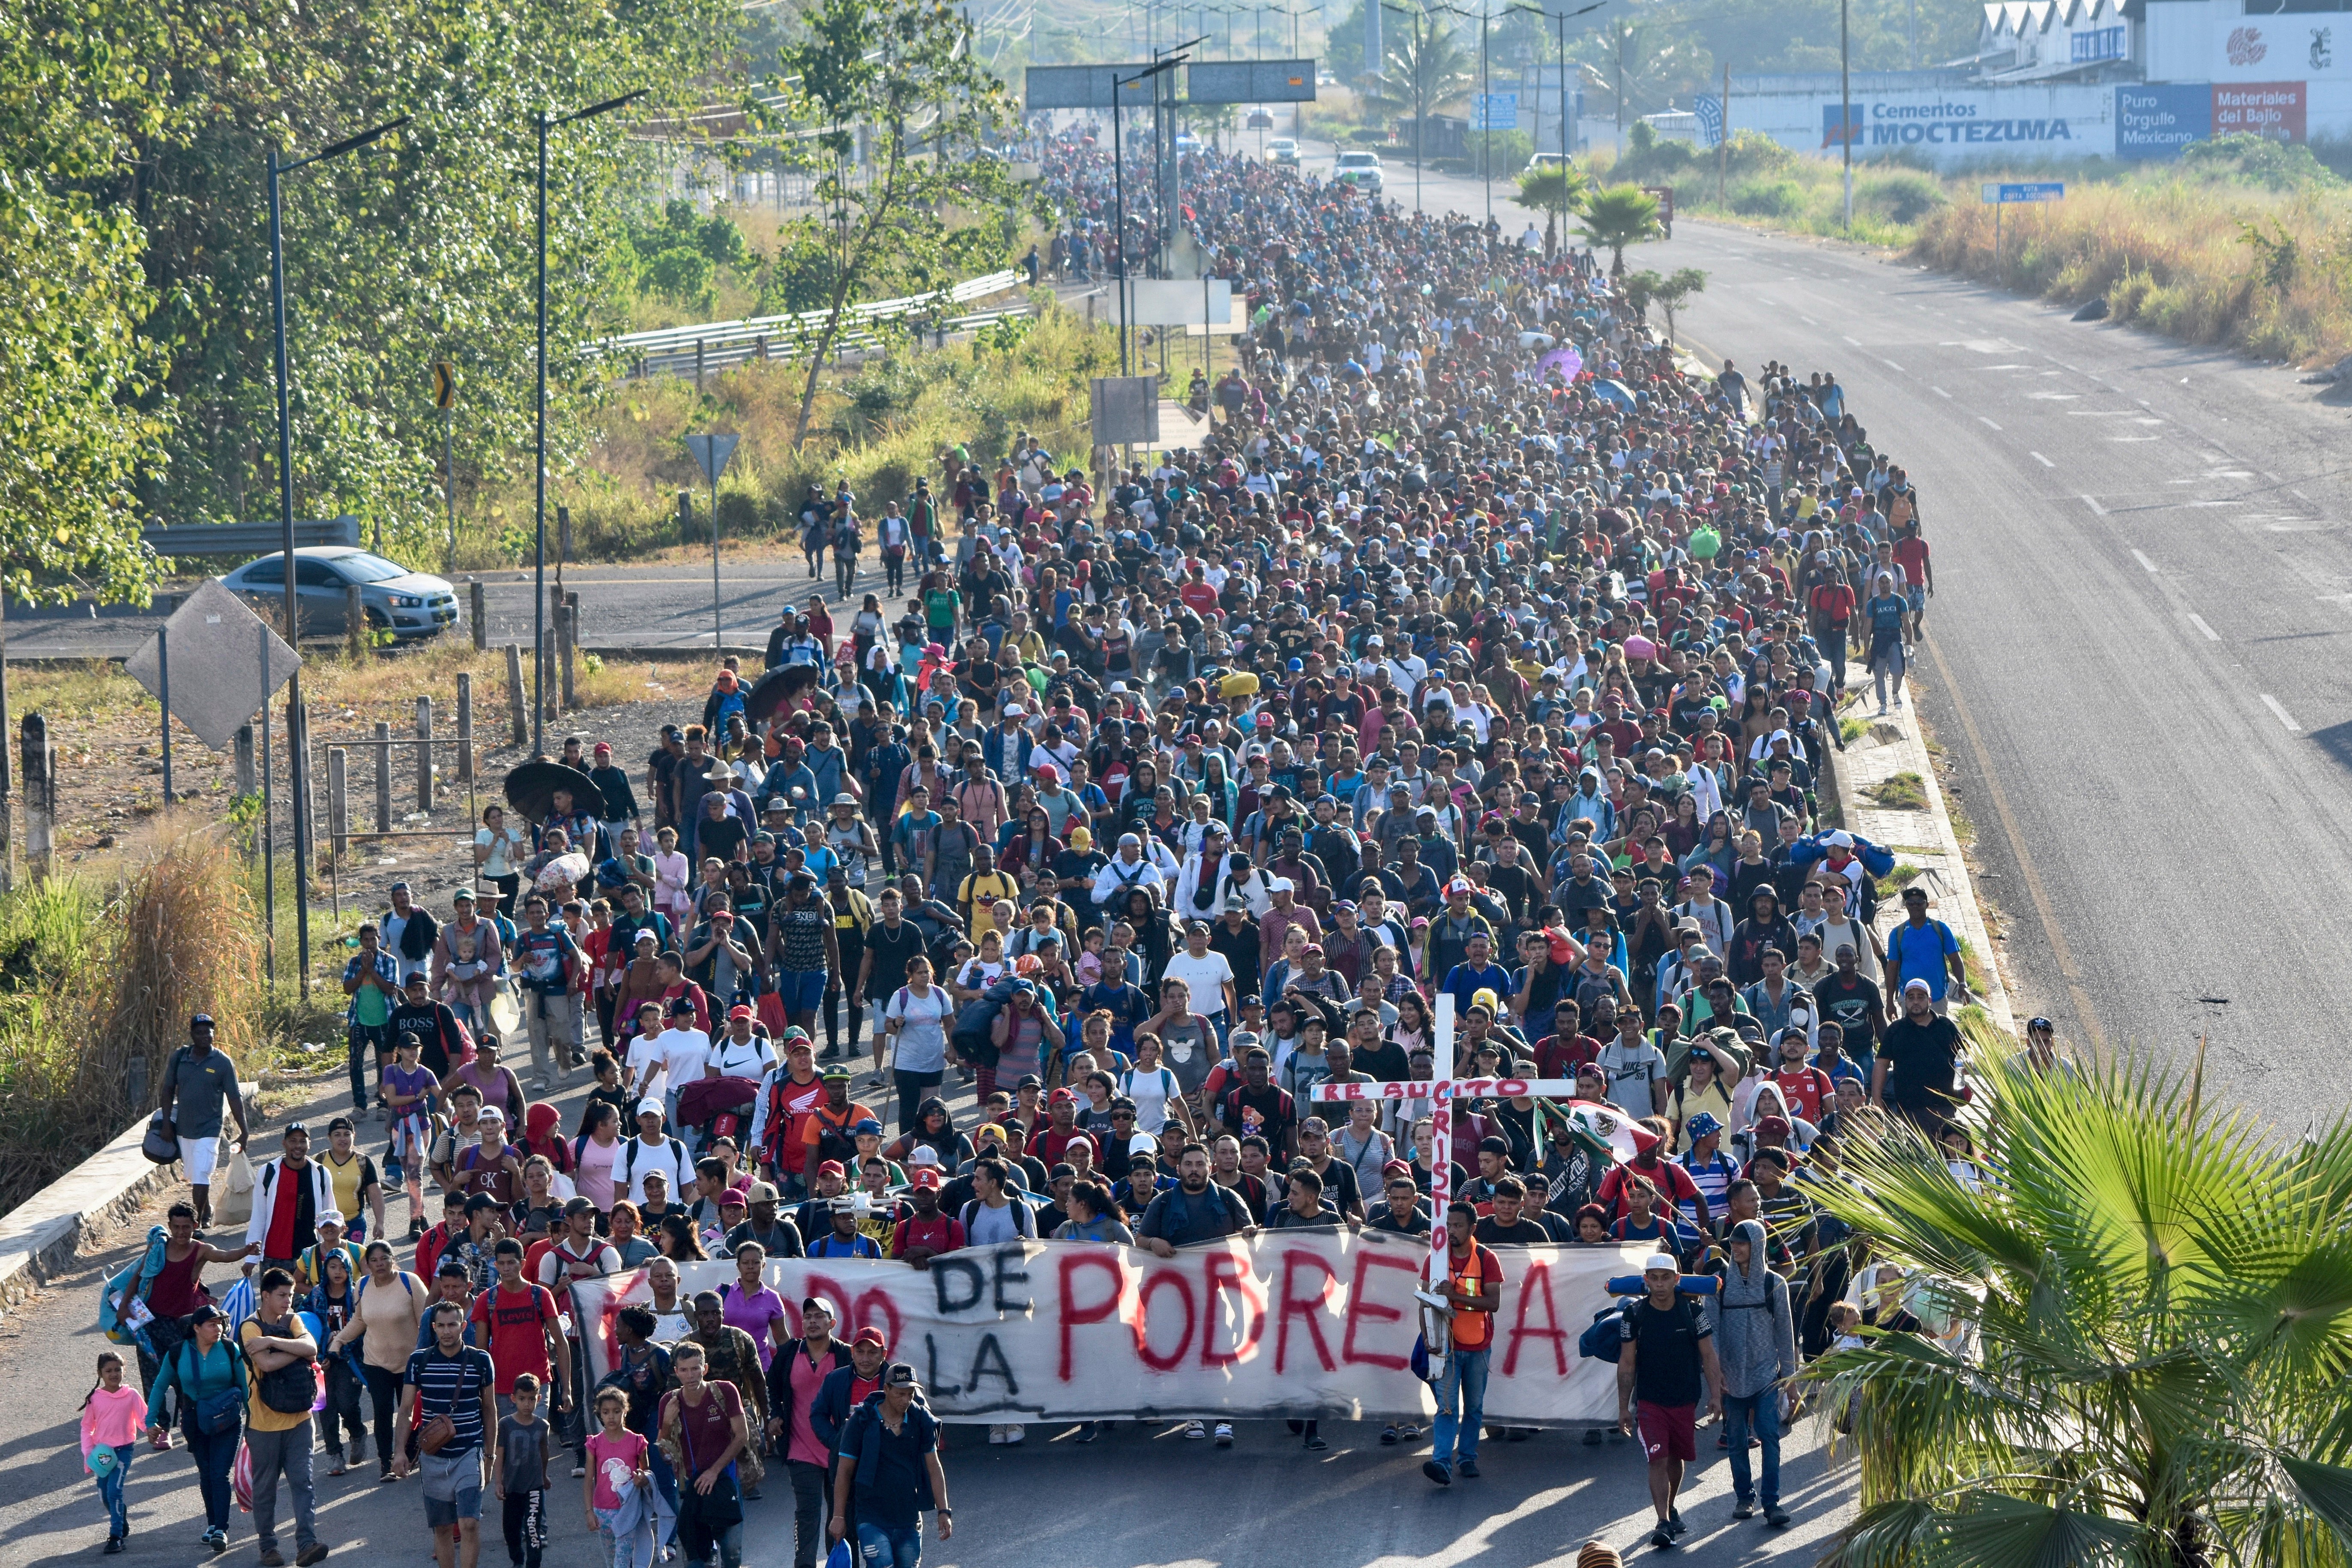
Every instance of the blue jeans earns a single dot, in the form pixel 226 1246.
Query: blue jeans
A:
pixel 1761 1414
pixel 1461 1405
pixel 109 1490
pixel 896 1546
pixel 359 1040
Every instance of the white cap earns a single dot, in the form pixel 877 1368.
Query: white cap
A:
pixel 1840 837
pixel 331 1216
pixel 924 1154
pixel 1280 885
pixel 1660 1260
pixel 649 1105
pixel 1921 986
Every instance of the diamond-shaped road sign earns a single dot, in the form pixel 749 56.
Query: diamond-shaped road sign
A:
pixel 712 452
pixel 225 663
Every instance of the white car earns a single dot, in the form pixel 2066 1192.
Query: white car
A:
pixel 1359 169
pixel 1282 150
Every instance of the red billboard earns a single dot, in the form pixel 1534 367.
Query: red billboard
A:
pixel 2271 108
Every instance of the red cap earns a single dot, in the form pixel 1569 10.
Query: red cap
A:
pixel 871 1337
pixel 739 1011
pixel 925 1177
pixel 832 1168
pixel 1060 1097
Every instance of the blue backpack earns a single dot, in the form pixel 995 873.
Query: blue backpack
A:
pixel 1606 1336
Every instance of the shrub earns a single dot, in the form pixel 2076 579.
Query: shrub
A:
pixel 1767 198
pixel 1903 196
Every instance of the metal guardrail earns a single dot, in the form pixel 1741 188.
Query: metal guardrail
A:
pixel 248 538
pixel 715 345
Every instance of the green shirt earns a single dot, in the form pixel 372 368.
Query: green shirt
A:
pixel 940 608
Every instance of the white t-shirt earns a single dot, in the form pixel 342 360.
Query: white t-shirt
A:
pixel 923 1021
pixel 678 1055
pixel 1151 1092
pixel 637 1157
pixel 748 1059
pixel 1207 975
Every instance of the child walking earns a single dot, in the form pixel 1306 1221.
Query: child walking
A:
pixel 112 1416
pixel 519 1471
pixel 618 1491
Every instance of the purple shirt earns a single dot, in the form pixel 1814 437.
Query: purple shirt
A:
pixel 753 1314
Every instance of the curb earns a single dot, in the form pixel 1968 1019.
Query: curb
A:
pixel 42 1235
pixel 1923 838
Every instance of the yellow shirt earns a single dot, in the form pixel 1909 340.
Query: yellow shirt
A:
pixel 258 1415
pixel 980 893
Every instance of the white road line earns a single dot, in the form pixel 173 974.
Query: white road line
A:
pixel 1855 342
pixel 2199 622
pixel 1892 365
pixel 1986 423
pixel 2042 460
pixel 1939 391
pixel 2144 560
pixel 2283 715
pixel 2091 501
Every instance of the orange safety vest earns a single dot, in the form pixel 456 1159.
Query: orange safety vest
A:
pixel 1472 1331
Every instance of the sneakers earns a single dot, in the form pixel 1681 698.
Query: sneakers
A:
pixel 1663 1538
pixel 1087 1432
pixel 1777 1518
pixel 579 1472
pixel 338 1467
pixel 272 1558
pixel 1437 1472
pixel 1225 1434
pixel 1744 1508
pixel 1196 1431
pixel 1674 1523
pixel 1315 1442
pixel 216 1540
pixel 1388 1436
pixel 996 1435
pixel 114 1546
pixel 1409 1432
pixel 1467 1467
pixel 1013 1434
pixel 314 1553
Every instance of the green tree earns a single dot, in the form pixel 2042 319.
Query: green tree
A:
pixel 1555 189
pixel 1674 291
pixel 899 81
pixel 1617 217
pixel 72 439
pixel 2139 1330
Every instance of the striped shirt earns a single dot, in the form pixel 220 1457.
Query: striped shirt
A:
pixel 451 1386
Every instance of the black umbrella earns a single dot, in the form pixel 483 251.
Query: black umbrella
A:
pixel 530 788
pixel 774 688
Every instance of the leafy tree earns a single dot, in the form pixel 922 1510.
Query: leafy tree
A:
pixel 1427 70
pixel 1671 294
pixel 71 437
pixel 1617 217
pixel 1555 189
pixel 897 79
pixel 420 248
pixel 2139 1326
pixel 681 275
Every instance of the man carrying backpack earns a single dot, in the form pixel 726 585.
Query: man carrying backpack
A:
pixel 1194 1212
pixel 280 1352
pixel 1755 1343
pixel 197 1082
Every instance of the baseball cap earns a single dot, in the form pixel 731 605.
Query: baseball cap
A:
pixel 898 1375
pixel 1660 1260
pixel 646 1107
pixel 832 1168
pixel 1061 1097
pixel 737 1011
pixel 835 1073
pixel 925 1177
pixel 871 1336
pixel 866 1127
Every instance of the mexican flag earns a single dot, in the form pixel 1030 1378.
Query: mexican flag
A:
pixel 1603 1129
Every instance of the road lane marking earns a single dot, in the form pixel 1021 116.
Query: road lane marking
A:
pixel 2092 501
pixel 1855 342
pixel 2144 560
pixel 1892 365
pixel 2199 622
pixel 2059 952
pixel 1939 391
pixel 2283 715
pixel 1986 423
pixel 2040 459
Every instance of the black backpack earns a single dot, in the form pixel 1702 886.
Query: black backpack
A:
pixel 289 1390
pixel 972 1039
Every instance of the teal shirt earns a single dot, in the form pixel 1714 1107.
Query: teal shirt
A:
pixel 216 1374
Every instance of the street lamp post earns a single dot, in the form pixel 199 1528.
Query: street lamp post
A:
pixel 539 592
pixel 1845 109
pixel 1420 95
pixel 1485 102
pixel 296 750
pixel 1563 19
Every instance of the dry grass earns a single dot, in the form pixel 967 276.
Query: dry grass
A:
pixel 94 977
pixel 1901 791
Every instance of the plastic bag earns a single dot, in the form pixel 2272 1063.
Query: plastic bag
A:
pixel 240 1477
pixel 233 1189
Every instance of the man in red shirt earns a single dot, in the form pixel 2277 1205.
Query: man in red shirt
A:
pixel 1061 1130
pixel 926 1232
pixel 1196 594
pixel 1567 1047
pixel 1672 1183
pixel 523 1330
pixel 1832 604
pixel 786 1096
pixel 1804 1088
pixel 1919 576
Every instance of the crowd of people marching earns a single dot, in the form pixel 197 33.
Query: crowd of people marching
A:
pixel 1151 798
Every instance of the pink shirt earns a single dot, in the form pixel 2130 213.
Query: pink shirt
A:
pixel 806 1379
pixel 626 1451
pixel 114 1417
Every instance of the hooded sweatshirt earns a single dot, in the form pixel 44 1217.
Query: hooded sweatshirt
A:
pixel 1754 1336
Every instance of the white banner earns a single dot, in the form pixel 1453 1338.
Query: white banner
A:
pixel 1283 1325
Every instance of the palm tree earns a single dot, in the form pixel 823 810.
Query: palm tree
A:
pixel 1555 189
pixel 1426 69
pixel 2137 1333
pixel 1617 217
pixel 1673 292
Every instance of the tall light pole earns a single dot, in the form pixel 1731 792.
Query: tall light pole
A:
pixel 539 592
pixel 1485 102
pixel 1846 108
pixel 1563 19
pixel 1420 95
pixel 296 750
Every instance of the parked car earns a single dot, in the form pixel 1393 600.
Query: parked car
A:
pixel 1283 150
pixel 1259 120
pixel 405 604
pixel 1187 143
pixel 1359 169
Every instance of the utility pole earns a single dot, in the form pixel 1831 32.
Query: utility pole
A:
pixel 1621 85
pixel 1723 137
pixel 1845 105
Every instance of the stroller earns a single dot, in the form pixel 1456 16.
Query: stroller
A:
pixel 714 1107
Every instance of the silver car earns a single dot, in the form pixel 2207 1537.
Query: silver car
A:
pixel 405 604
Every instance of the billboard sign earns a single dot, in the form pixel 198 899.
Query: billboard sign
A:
pixel 2269 108
pixel 1248 81
pixel 2156 119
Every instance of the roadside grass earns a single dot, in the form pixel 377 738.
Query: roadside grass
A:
pixel 1905 791
pixel 1985 1038
pixel 1973 963
pixel 1850 729
pixel 1902 876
